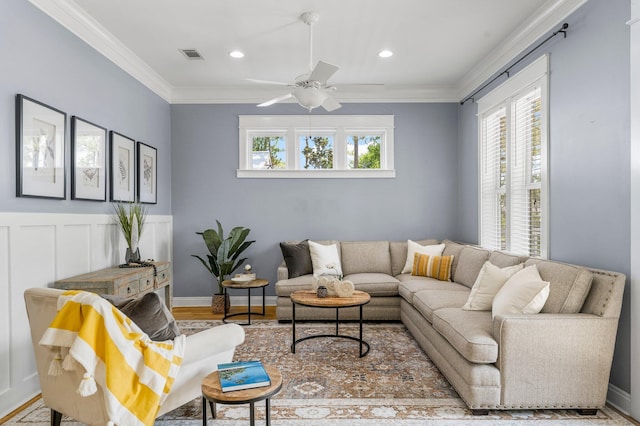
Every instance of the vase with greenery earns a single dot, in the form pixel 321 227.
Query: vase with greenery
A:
pixel 130 217
pixel 223 258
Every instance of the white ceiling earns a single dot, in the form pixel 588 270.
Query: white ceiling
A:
pixel 443 49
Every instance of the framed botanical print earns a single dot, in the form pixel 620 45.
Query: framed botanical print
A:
pixel 89 161
pixel 122 170
pixel 147 174
pixel 40 136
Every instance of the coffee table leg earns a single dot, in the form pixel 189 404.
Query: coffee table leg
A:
pixel 252 414
pixel 360 331
pixel 212 405
pixel 337 310
pixel 268 413
pixel 204 411
pixel 249 302
pixel 263 301
pixel 293 326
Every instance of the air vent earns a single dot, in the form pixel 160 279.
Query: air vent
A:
pixel 191 53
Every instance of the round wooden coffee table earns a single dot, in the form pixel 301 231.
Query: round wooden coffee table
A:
pixel 212 392
pixel 309 298
pixel 257 283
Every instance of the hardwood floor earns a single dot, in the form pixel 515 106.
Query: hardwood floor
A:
pixel 204 313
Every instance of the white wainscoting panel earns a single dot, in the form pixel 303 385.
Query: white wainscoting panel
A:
pixel 37 249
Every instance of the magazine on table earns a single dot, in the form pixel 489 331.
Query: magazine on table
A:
pixel 242 375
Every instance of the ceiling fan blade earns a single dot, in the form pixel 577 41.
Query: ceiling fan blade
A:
pixel 322 72
pixel 276 100
pixel 279 83
pixel 330 104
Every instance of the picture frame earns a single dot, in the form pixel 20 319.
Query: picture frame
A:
pixel 122 167
pixel 147 174
pixel 89 160
pixel 40 149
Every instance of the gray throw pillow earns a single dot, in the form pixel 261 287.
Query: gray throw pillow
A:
pixel 149 313
pixel 297 258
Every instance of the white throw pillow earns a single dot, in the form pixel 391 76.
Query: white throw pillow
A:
pixel 413 248
pixel 523 293
pixel 490 280
pixel 325 259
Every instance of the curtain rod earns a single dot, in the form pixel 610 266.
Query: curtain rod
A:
pixel 562 30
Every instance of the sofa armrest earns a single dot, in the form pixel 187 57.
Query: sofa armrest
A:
pixel 555 360
pixel 212 341
pixel 283 272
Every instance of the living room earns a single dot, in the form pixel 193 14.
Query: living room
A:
pixel 433 195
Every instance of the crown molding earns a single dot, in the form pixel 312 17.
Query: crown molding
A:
pixel 68 14
pixel 551 14
pixel 251 95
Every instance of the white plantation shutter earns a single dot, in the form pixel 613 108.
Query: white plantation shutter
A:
pixel 492 186
pixel 513 163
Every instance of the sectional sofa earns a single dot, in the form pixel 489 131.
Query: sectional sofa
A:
pixel 558 358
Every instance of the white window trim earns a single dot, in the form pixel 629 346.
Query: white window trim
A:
pixel 535 73
pixel 294 126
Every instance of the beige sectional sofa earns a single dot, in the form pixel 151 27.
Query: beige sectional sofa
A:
pixel 558 358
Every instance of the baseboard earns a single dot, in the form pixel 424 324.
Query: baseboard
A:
pixel 235 301
pixel 619 399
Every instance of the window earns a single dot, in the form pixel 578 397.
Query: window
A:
pixel 316 146
pixel 513 163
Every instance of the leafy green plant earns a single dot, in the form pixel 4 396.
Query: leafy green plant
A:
pixel 222 259
pixel 129 219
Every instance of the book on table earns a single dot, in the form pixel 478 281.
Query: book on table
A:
pixel 242 375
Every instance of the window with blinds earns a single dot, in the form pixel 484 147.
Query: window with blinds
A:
pixel 513 165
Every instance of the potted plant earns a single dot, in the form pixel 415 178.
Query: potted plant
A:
pixel 222 259
pixel 131 221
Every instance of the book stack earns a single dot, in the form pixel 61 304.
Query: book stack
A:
pixel 246 276
pixel 242 375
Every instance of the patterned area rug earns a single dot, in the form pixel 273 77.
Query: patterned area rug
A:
pixel 326 383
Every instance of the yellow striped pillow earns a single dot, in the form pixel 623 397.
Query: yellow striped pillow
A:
pixel 438 267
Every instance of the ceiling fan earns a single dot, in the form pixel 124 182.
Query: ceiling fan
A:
pixel 311 89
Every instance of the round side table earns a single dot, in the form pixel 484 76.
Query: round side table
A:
pixel 212 392
pixel 257 283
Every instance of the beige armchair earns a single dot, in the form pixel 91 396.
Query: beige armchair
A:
pixel 203 352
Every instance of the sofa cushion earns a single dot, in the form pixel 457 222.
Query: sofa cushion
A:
pixel 413 248
pixel 569 285
pixel 375 284
pixel 288 286
pixel 365 256
pixel 452 248
pixel 297 258
pixel 407 289
pixel 398 250
pixel 325 259
pixel 470 262
pixel 469 332
pixel 438 267
pixel 523 293
pixel 502 259
pixel 429 301
pixel 149 313
pixel 490 279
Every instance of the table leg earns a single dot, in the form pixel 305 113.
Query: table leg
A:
pixel 204 411
pixel 360 331
pixel 212 405
pixel 268 413
pixel 263 301
pixel 293 327
pixel 252 414
pixel 249 306
pixel 337 310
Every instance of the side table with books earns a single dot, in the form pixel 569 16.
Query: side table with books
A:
pixel 245 282
pixel 241 383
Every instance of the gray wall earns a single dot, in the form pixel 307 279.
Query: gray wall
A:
pixel 420 202
pixel 44 61
pixel 589 152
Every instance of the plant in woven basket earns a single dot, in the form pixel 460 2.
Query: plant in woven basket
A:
pixel 223 258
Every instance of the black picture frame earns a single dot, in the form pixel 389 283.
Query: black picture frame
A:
pixel 147 174
pixel 122 167
pixel 88 160
pixel 40 150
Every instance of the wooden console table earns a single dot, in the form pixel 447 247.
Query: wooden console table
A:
pixel 126 282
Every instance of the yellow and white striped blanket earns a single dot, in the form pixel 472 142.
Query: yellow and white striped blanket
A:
pixel 134 373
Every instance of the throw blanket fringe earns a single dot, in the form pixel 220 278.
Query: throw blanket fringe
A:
pixel 134 373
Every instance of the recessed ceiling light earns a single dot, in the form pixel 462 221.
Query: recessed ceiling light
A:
pixel 385 53
pixel 236 54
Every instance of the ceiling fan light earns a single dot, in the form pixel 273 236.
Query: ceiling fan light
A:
pixel 236 54
pixel 310 97
pixel 385 53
